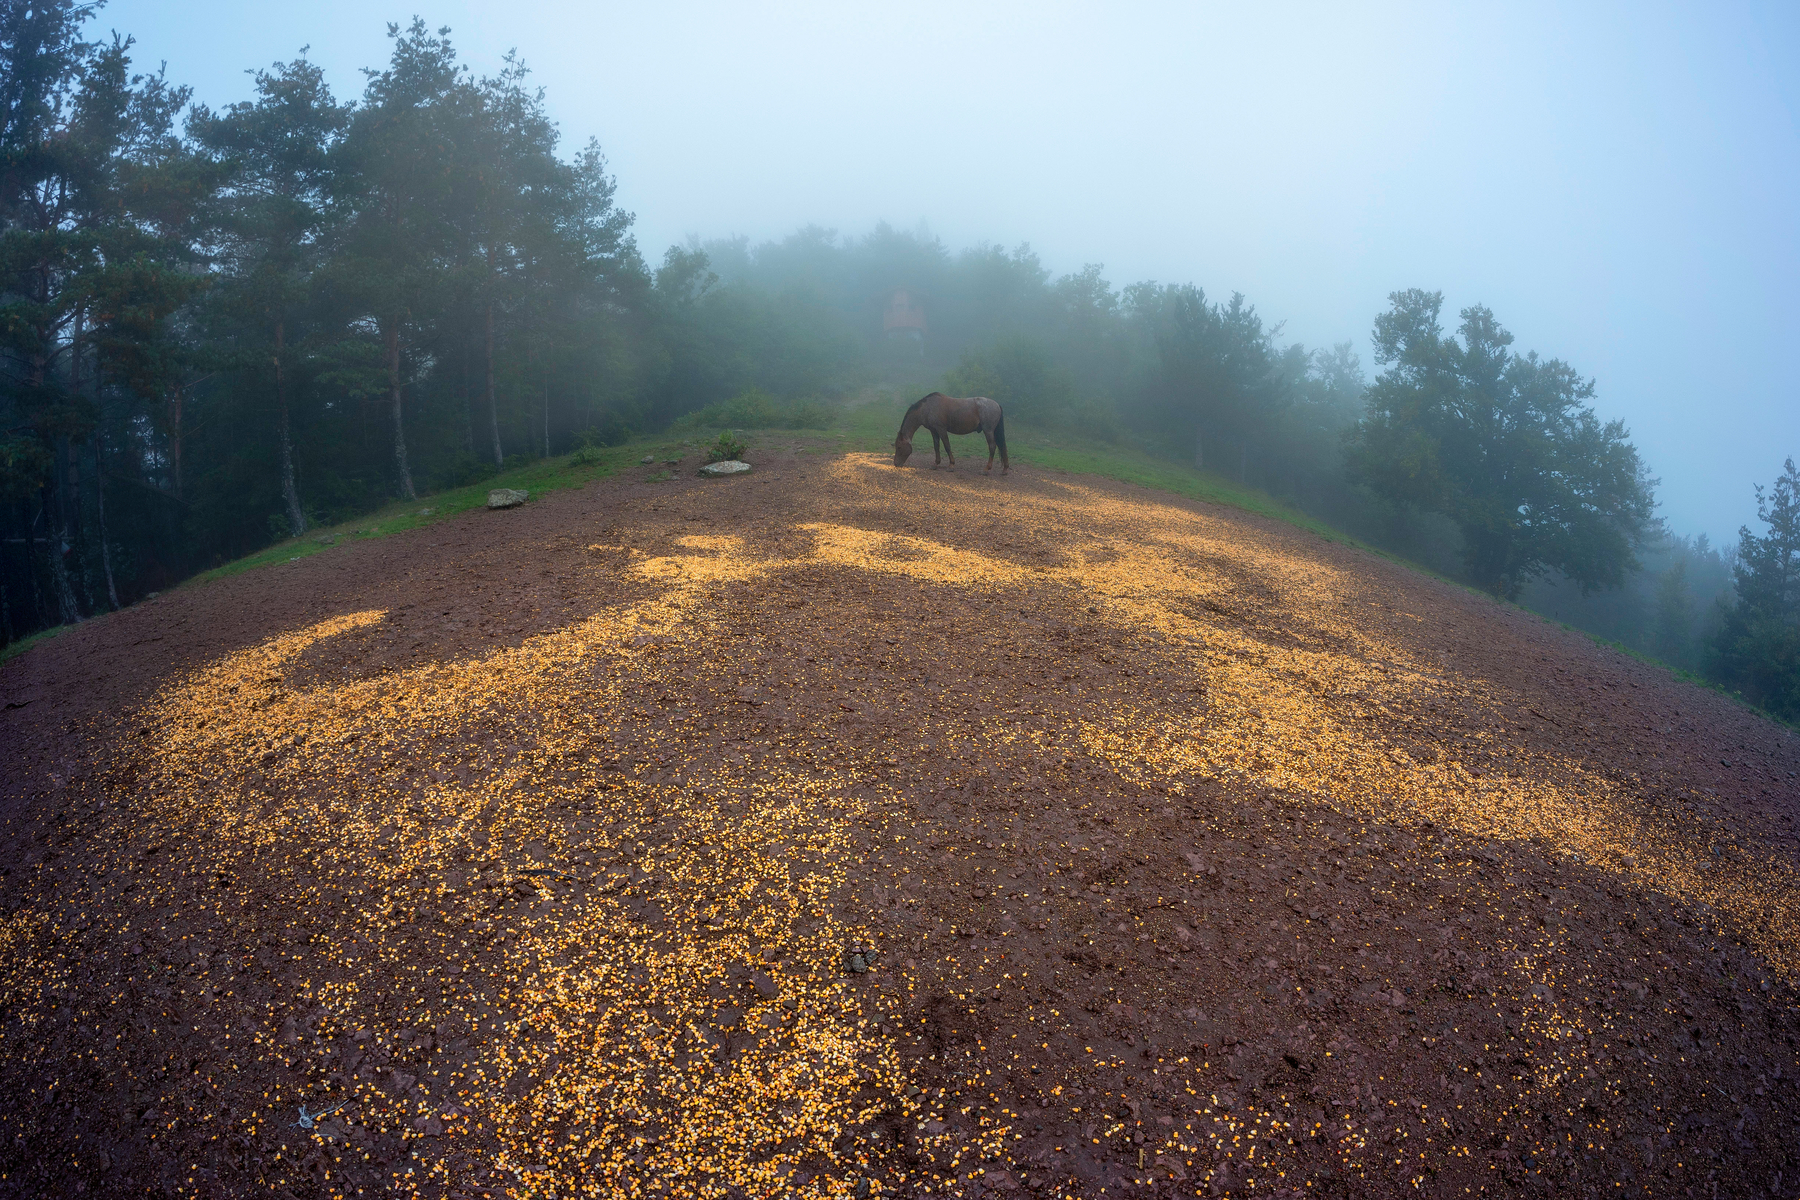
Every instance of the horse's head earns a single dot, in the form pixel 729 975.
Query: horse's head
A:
pixel 902 449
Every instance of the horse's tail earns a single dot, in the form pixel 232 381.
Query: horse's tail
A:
pixel 1000 433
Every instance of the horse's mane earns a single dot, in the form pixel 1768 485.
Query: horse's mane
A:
pixel 917 404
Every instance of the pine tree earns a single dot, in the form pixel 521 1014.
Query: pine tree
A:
pixel 398 246
pixel 97 202
pixel 1758 644
pixel 269 223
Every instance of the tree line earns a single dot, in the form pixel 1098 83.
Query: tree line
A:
pixel 224 327
pixel 220 328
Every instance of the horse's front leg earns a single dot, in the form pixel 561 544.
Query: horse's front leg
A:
pixel 949 450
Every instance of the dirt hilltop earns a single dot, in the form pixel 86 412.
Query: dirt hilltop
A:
pixel 839 830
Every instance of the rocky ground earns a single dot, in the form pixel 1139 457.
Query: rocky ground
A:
pixel 839 830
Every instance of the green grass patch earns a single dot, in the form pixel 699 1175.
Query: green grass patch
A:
pixel 538 478
pixel 14 649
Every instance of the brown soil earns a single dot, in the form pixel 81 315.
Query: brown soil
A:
pixel 1193 854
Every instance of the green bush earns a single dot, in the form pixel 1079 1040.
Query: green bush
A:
pixel 729 446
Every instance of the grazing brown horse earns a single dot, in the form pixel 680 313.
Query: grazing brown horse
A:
pixel 945 415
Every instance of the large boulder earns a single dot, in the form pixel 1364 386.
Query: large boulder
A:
pixel 507 497
pixel 730 466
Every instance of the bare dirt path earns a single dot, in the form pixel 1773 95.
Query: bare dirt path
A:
pixel 844 830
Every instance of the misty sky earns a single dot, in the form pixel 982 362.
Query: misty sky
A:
pixel 1620 183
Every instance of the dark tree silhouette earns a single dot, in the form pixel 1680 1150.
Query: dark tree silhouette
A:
pixel 1504 445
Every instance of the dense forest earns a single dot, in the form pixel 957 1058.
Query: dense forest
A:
pixel 225 327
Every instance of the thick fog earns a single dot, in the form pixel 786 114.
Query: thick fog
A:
pixel 1619 183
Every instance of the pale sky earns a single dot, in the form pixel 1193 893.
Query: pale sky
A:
pixel 1620 183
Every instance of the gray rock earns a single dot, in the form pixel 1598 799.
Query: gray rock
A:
pixel 647 459
pixel 507 497
pixel 730 466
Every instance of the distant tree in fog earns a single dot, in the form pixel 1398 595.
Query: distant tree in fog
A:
pixel 1503 445
pixel 1219 374
pixel 1758 645
pixel 1674 614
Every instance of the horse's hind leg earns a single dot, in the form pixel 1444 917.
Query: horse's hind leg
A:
pixel 990 440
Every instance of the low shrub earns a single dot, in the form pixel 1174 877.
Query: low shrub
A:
pixel 729 446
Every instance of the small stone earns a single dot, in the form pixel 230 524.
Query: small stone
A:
pixel 730 466
pixel 507 497
pixel 647 459
pixel 765 987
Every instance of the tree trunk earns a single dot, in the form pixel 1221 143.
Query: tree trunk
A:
pixel 112 589
pixel 468 405
pixel 546 417
pixel 175 442
pixel 290 494
pixel 392 336
pixel 493 407
pixel 1244 461
pixel 1199 448
pixel 57 546
pixel 73 533
pixel 39 615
